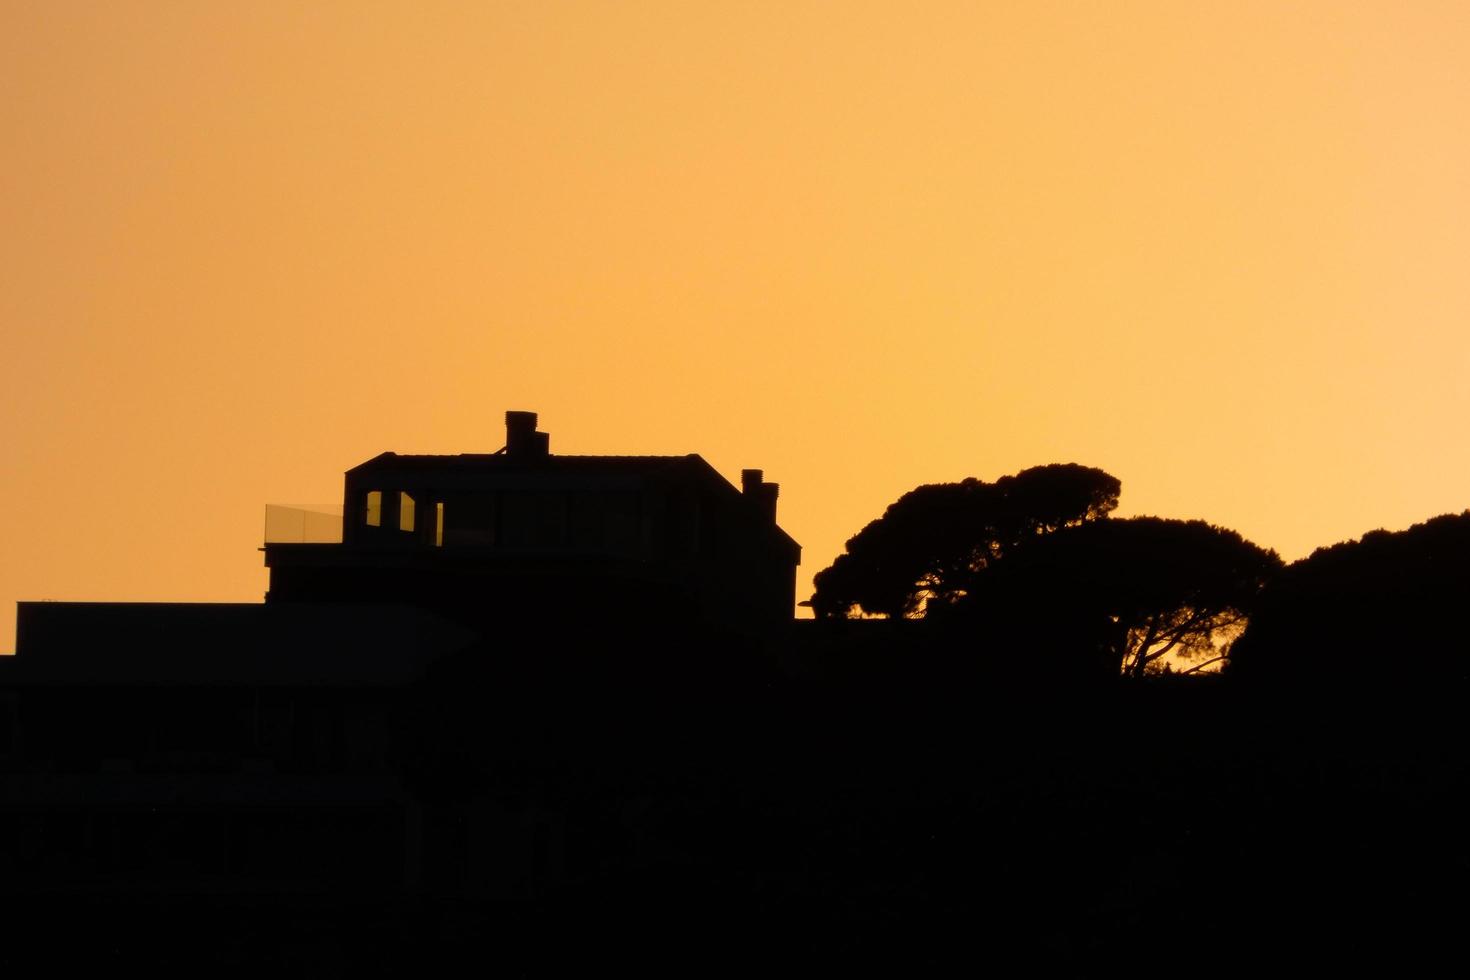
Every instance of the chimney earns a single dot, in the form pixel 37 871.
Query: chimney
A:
pixel 762 496
pixel 521 438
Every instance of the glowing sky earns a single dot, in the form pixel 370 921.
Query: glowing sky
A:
pixel 1218 249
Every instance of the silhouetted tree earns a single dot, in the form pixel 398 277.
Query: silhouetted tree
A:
pixel 1388 607
pixel 1122 594
pixel 929 543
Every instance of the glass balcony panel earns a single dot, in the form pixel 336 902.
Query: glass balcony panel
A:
pixel 303 524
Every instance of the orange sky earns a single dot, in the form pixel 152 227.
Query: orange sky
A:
pixel 1218 249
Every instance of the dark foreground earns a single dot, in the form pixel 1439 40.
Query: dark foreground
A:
pixel 757 824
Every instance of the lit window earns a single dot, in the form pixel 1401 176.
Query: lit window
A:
pixel 405 512
pixel 374 514
pixel 439 524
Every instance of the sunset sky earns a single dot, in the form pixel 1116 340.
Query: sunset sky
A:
pixel 1217 249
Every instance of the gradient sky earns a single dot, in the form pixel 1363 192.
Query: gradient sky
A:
pixel 1218 249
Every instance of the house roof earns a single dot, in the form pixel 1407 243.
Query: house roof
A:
pixel 505 463
pixel 691 467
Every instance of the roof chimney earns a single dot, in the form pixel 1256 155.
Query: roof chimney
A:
pixel 762 496
pixel 521 438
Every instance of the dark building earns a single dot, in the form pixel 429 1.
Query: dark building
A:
pixel 299 747
pixel 177 749
pixel 524 532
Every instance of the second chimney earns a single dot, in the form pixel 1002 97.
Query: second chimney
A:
pixel 521 438
pixel 762 496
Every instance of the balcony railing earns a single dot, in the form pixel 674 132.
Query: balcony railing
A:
pixel 303 523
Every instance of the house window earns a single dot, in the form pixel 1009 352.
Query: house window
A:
pixel 405 512
pixel 373 515
pixel 439 524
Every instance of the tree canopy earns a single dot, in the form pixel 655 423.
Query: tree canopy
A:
pixel 927 547
pixel 1126 592
pixel 1387 607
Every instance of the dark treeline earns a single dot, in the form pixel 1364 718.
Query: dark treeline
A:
pixel 1033 569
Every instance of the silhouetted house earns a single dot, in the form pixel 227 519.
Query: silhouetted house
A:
pixel 311 745
pixel 523 533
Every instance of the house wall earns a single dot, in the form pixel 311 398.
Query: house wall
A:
pixel 539 542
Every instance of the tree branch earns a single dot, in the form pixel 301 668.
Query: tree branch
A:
pixel 1202 665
